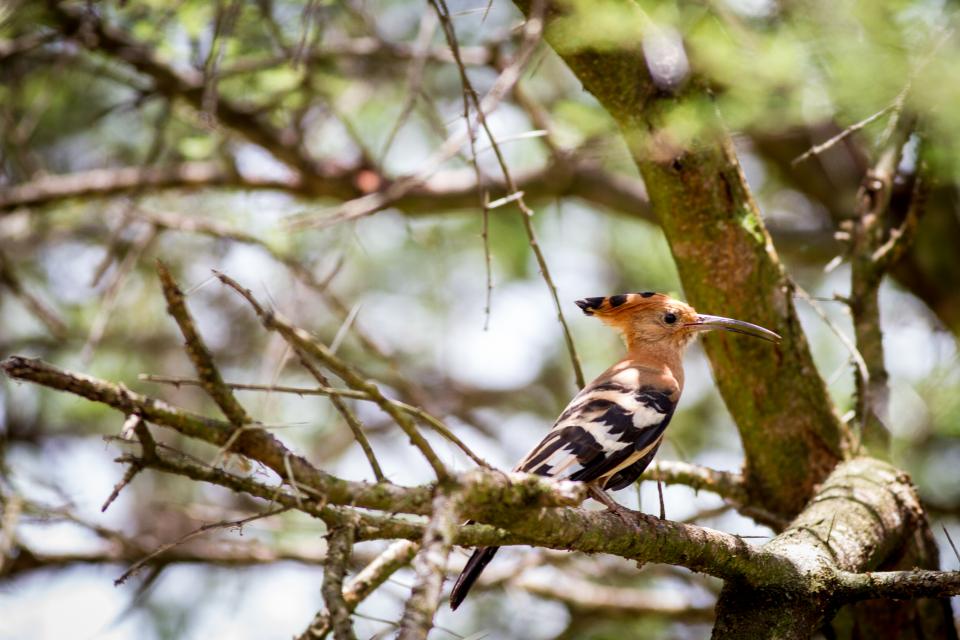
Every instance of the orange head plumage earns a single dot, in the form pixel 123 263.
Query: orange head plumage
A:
pixel 650 318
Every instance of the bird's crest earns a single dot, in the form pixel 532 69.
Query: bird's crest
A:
pixel 604 305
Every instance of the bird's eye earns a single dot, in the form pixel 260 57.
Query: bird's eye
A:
pixel 670 318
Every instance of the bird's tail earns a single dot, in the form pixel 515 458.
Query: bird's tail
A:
pixel 475 566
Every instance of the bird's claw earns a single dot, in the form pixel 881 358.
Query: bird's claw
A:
pixel 628 516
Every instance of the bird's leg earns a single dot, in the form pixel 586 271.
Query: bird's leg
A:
pixel 663 510
pixel 622 512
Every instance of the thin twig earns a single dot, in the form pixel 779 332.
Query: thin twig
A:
pixel 226 524
pixel 663 509
pixel 415 70
pixel 837 331
pixel 353 422
pixel 371 203
pixel 300 339
pixel 12 510
pixel 222 28
pixel 45 314
pixel 112 292
pixel 149 449
pixel 901 238
pixel 268 388
pixel 487 259
pixel 427 418
pixel 950 540
pixel 532 32
pixel 840 137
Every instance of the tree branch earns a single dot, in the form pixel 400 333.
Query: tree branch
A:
pixel 302 341
pixel 506 502
pixel 791 434
pixel 446 191
pixel 429 566
pixel 872 251
pixel 726 484
pixel 586 597
pixel 52 189
pixel 396 556
pixel 210 378
pixel 898 585
pixel 139 564
pixel 253 442
pixel 865 511
pixel 339 548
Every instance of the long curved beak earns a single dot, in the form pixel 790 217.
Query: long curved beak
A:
pixel 709 323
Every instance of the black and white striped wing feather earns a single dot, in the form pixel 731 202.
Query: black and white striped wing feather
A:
pixel 609 431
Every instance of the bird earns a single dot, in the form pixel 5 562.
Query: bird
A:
pixel 610 431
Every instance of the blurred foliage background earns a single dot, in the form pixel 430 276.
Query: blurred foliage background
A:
pixel 254 113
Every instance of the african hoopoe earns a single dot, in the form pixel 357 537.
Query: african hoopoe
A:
pixel 611 430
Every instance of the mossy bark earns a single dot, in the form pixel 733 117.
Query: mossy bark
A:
pixel 866 516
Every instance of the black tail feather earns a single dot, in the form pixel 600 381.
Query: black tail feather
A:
pixel 475 566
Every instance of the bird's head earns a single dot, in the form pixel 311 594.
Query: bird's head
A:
pixel 650 318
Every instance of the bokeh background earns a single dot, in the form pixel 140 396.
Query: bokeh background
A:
pixel 370 93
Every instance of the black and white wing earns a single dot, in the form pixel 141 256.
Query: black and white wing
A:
pixel 609 432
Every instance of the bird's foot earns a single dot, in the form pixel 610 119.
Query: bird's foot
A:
pixel 628 516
